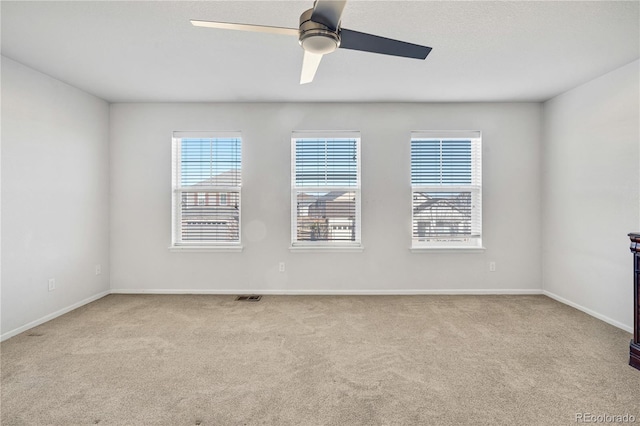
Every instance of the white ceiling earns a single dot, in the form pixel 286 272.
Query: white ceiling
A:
pixel 482 51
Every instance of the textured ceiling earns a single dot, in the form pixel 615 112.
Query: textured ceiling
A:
pixel 482 51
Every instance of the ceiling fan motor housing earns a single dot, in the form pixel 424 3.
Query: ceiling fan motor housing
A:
pixel 315 37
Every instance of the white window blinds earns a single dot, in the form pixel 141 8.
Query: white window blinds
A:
pixel 206 188
pixel 446 181
pixel 325 189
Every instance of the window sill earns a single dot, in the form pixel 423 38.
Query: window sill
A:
pixel 447 249
pixel 335 249
pixel 206 249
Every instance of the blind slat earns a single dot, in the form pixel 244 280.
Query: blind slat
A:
pixel 326 162
pixel 210 162
pixel 210 216
pixel 326 216
pixel 446 162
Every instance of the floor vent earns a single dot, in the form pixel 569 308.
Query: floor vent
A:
pixel 248 298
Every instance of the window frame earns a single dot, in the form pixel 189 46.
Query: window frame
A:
pixel 464 243
pixel 178 192
pixel 324 245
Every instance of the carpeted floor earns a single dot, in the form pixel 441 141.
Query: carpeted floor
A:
pixel 318 360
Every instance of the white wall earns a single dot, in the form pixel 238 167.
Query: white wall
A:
pixel 55 213
pixel 141 196
pixel 590 187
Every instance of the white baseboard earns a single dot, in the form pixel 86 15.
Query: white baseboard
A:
pixel 374 292
pixel 49 317
pixel 595 314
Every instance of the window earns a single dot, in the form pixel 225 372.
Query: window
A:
pixel 446 189
pixel 206 189
pixel 325 194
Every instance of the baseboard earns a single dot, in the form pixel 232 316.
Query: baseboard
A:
pixel 589 311
pixel 49 317
pixel 374 292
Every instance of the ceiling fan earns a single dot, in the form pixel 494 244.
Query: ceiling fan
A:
pixel 320 33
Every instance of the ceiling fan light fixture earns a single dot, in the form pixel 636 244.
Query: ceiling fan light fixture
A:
pixel 315 37
pixel 320 43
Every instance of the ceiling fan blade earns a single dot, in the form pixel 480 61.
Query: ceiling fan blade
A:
pixel 245 27
pixel 328 12
pixel 310 64
pixel 355 40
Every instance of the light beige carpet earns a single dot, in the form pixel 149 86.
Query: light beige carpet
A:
pixel 318 360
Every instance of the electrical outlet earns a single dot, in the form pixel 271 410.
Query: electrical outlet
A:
pixel 98 269
pixel 52 284
pixel 492 266
pixel 281 267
